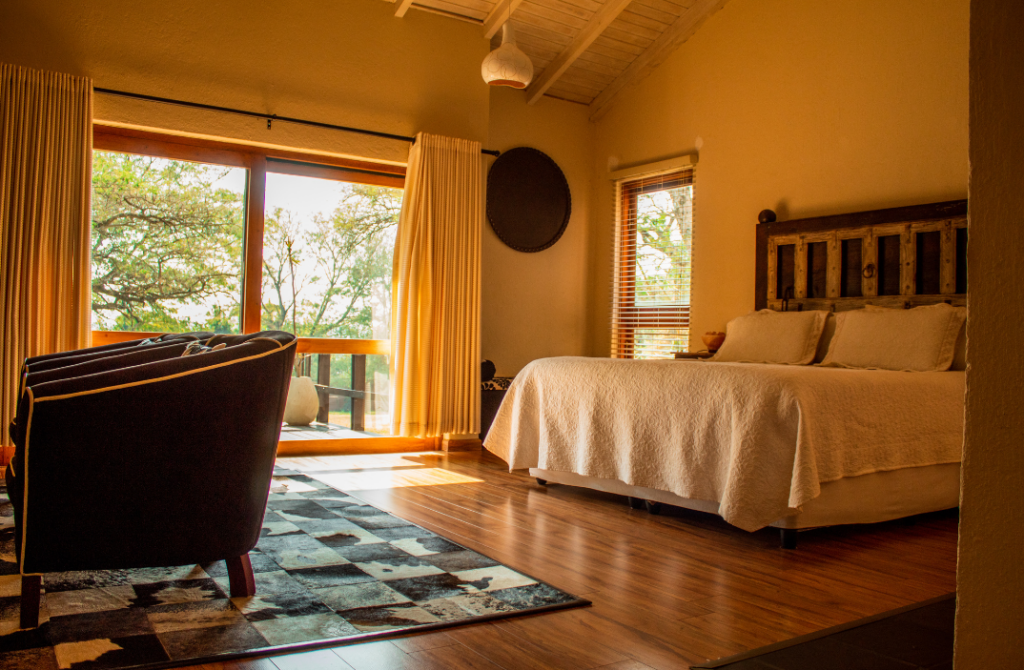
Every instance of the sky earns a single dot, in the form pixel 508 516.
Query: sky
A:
pixel 305 196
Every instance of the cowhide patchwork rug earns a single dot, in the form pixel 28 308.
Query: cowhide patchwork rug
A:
pixel 329 569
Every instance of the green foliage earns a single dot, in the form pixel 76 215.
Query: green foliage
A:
pixel 320 283
pixel 664 235
pixel 167 253
pixel 163 236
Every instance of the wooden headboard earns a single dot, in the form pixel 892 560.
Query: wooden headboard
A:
pixel 898 257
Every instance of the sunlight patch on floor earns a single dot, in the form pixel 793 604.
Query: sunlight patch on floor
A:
pixel 366 481
pixel 351 462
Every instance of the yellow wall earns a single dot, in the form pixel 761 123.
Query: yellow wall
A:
pixel 990 568
pixel 349 62
pixel 533 304
pixel 802 106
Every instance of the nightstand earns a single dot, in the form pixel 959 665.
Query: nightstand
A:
pixel 693 355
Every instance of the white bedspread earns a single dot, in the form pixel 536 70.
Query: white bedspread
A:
pixel 757 439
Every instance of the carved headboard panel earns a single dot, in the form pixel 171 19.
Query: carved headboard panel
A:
pixel 898 257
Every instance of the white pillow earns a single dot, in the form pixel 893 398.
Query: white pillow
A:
pixel 768 336
pixel 922 339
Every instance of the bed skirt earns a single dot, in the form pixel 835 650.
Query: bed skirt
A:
pixel 879 496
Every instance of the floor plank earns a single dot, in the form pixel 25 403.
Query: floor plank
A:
pixel 668 590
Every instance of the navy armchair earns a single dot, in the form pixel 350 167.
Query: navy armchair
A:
pixel 133 456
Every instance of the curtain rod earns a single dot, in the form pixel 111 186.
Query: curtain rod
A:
pixel 268 117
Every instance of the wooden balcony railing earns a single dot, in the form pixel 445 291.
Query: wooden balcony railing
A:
pixel 307 345
pixel 360 395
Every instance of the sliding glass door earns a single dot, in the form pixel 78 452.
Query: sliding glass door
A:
pixel 328 245
pixel 199 235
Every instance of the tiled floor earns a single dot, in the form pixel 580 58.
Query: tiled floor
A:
pixel 914 640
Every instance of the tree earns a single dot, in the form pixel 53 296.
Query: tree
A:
pixel 167 242
pixel 664 234
pixel 163 236
pixel 320 280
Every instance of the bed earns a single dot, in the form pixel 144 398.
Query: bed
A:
pixel 793 447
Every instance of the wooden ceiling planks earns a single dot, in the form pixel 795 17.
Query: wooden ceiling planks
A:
pixel 584 51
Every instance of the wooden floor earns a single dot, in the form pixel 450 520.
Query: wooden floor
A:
pixel 668 590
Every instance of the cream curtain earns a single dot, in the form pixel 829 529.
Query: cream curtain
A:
pixel 45 184
pixel 435 313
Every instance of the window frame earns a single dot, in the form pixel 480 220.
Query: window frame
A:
pixel 627 316
pixel 258 161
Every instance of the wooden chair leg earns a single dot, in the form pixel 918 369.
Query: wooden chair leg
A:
pixel 243 583
pixel 31 589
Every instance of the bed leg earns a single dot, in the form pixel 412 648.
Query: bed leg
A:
pixel 542 482
pixel 652 507
pixel 636 503
pixel 788 537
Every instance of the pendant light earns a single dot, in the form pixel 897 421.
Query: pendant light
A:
pixel 507 65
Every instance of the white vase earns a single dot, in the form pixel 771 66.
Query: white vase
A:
pixel 303 402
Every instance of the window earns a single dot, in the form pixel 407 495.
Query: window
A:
pixel 328 245
pixel 166 244
pixel 202 235
pixel 653 251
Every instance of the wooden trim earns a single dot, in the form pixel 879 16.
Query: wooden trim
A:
pixel 183 147
pixel 403 7
pixel 104 337
pixel 318 171
pixel 328 345
pixel 359 168
pixel 677 33
pixel 623 337
pixel 466 444
pixel 109 138
pixel 584 38
pixel 252 269
pixel 498 15
pixel 362 445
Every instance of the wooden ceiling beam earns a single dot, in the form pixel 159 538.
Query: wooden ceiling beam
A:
pixel 677 33
pixel 403 7
pixel 498 15
pixel 590 32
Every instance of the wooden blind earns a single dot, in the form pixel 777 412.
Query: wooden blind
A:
pixel 653 254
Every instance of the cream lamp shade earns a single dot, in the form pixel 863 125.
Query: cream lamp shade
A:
pixel 507 65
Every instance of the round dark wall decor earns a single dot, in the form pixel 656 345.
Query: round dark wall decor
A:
pixel 528 201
